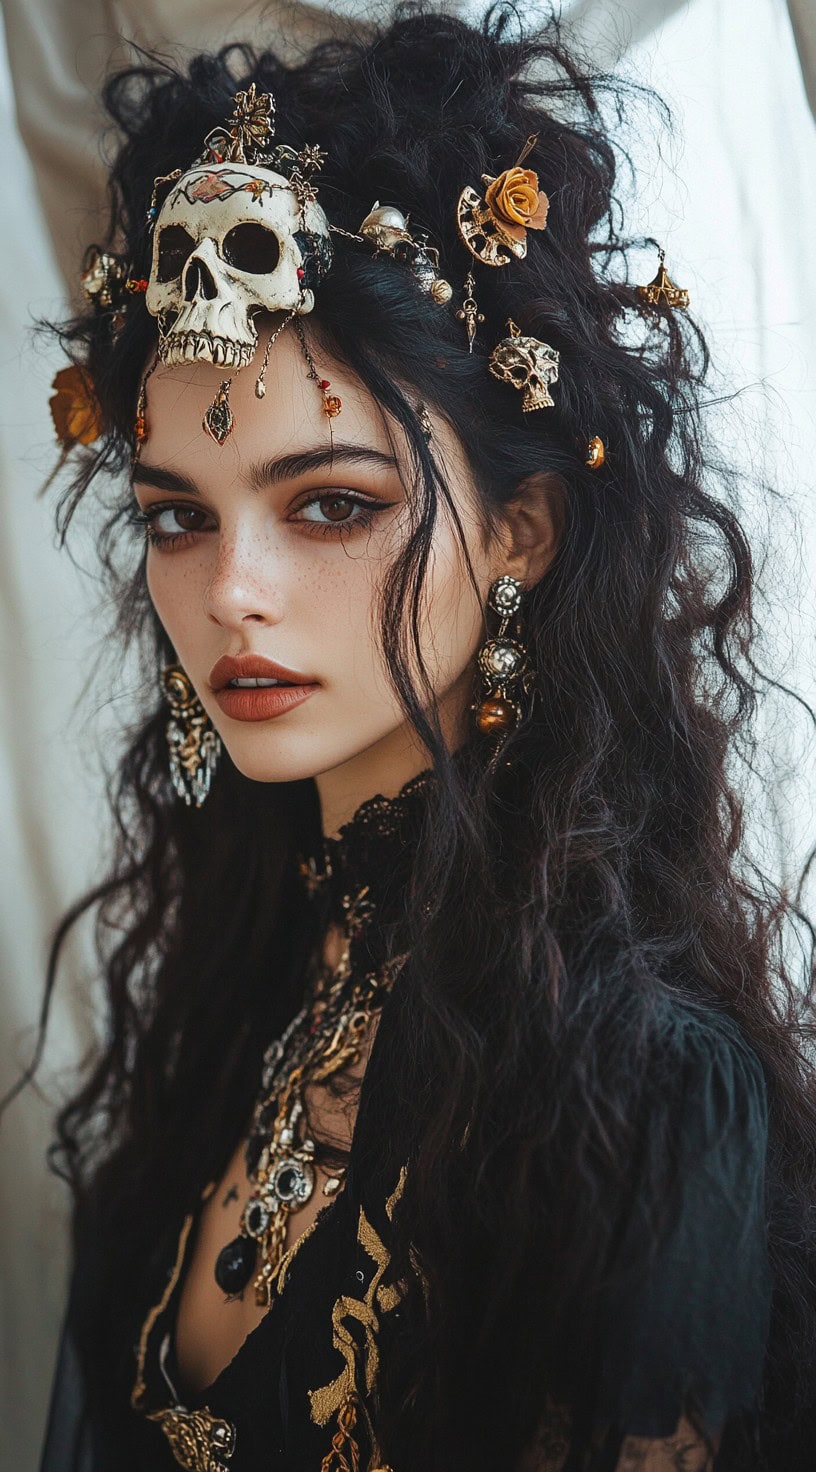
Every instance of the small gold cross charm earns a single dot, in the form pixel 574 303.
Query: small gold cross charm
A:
pixel 469 312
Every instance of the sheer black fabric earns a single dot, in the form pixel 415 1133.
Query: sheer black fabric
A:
pixel 692 1322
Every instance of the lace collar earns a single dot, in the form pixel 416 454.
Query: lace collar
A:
pixel 372 853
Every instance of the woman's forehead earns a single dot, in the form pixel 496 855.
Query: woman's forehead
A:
pixel 291 412
pixel 288 419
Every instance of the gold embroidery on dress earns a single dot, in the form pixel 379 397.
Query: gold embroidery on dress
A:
pixel 137 1393
pixel 341 1396
pixel 199 1441
pixel 279 1276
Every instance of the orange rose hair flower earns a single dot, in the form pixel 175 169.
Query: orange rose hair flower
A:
pixel 516 202
pixel 492 226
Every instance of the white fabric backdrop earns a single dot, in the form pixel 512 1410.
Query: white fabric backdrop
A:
pixel 733 203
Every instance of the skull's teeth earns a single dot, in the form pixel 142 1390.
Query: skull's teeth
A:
pixel 194 347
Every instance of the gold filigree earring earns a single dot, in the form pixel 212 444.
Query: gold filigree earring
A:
pixel 503 663
pixel 193 744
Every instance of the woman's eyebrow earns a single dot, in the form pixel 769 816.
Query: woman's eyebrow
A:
pixel 162 480
pixel 301 462
pixel 272 472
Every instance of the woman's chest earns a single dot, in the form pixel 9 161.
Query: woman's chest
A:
pixel 211 1325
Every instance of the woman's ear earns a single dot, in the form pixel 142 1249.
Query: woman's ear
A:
pixel 533 526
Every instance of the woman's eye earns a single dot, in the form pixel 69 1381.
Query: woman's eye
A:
pixel 334 512
pixel 166 526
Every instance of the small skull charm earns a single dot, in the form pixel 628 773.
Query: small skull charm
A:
pixel 529 364
pixel 102 276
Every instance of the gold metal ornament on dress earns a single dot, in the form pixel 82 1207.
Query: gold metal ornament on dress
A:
pixel 503 663
pixel 662 292
pixel 494 226
pixel 324 1037
pixel 529 364
pixel 193 744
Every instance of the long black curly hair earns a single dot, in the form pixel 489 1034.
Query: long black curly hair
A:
pixel 572 898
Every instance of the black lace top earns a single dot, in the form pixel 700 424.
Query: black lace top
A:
pixel 298 1392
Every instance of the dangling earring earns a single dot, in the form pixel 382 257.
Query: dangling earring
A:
pixel 193 744
pixel 503 665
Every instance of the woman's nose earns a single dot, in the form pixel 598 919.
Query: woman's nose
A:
pixel 248 580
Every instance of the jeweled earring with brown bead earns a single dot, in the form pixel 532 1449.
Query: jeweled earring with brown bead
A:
pixel 503 664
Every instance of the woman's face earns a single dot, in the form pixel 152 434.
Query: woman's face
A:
pixel 265 546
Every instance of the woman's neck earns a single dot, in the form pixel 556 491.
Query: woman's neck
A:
pixel 383 768
pixel 386 766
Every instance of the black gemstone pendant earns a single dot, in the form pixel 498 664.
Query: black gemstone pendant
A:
pixel 235 1264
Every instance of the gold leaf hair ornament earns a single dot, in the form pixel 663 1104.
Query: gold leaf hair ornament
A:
pixel 497 222
pixel 248 132
pixel 661 291
pixel 74 407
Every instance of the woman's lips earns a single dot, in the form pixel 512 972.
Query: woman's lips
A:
pixel 262 702
pixel 253 702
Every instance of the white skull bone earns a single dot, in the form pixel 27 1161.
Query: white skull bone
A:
pixel 229 241
pixel 529 364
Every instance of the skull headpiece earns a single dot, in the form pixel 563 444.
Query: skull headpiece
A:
pixel 240 232
pixel 529 364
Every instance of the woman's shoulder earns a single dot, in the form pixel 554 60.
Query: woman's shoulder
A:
pixel 705 1074
pixel 689 1306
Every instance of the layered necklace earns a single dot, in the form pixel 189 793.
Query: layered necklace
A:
pixel 363 871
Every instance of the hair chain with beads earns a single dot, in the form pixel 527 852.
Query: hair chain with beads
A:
pixel 332 405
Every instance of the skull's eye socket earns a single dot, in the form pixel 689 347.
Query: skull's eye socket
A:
pixel 175 245
pixel 250 247
pixel 519 374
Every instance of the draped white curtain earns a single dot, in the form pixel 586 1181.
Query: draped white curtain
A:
pixel 730 197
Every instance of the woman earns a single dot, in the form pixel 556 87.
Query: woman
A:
pixel 453 1110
